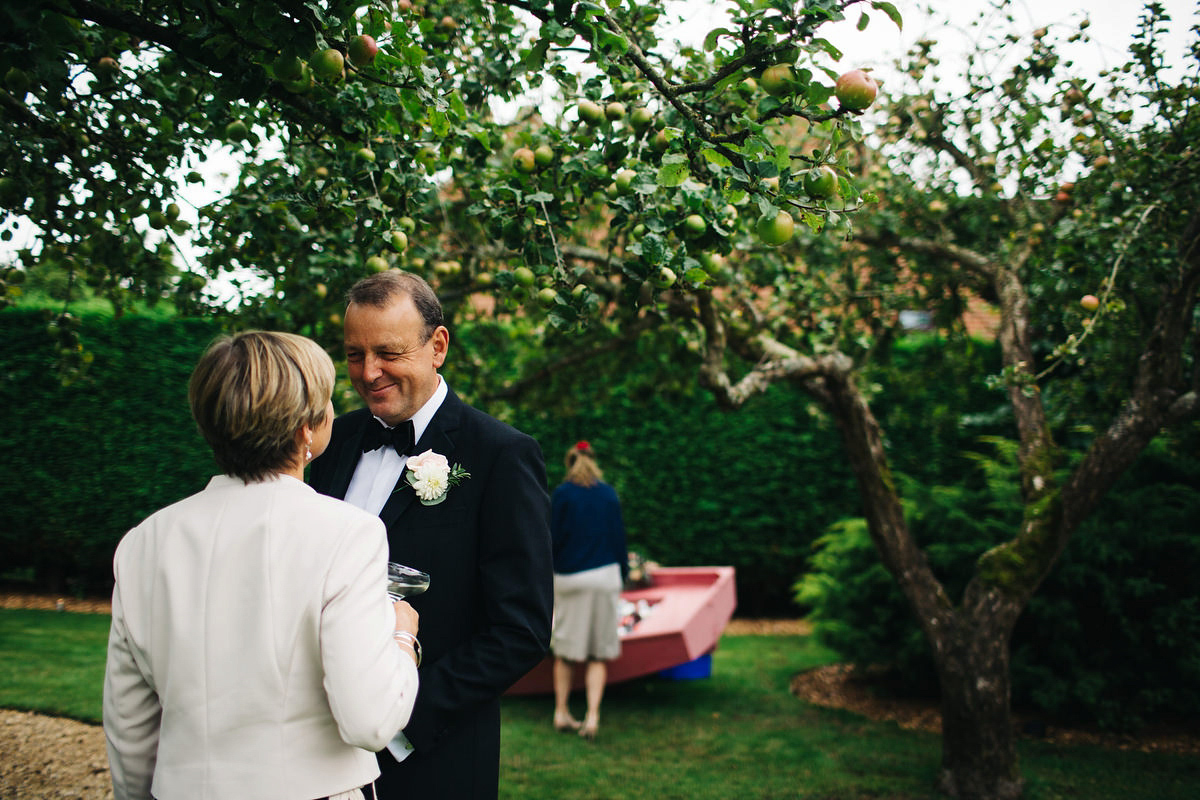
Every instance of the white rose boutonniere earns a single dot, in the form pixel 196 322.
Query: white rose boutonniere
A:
pixel 431 476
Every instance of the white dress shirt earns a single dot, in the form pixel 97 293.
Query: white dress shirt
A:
pixel 379 470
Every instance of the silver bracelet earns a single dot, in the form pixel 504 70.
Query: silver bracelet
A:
pixel 410 639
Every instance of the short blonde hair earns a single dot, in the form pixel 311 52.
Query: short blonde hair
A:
pixel 251 392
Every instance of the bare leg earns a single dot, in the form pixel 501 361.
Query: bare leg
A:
pixel 563 721
pixel 594 680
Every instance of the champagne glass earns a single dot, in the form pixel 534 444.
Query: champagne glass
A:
pixel 404 582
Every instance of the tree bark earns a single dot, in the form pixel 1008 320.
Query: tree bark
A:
pixel 979 756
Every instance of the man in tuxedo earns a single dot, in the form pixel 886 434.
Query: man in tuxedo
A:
pixel 485 541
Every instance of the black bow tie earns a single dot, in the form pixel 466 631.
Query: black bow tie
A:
pixel 400 438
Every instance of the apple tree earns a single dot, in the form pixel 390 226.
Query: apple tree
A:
pixel 563 172
pixel 1035 190
pixel 263 156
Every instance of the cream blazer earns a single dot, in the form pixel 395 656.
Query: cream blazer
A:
pixel 251 654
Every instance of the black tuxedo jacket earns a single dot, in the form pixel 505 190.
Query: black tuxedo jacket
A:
pixel 485 620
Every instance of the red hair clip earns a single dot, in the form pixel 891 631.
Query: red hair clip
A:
pixel 583 446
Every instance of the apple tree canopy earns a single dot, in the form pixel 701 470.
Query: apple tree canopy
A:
pixel 115 114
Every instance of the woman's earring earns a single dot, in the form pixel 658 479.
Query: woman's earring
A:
pixel 307 454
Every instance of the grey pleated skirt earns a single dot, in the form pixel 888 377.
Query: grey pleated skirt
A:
pixel 586 616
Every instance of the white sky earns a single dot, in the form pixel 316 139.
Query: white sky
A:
pixel 1112 24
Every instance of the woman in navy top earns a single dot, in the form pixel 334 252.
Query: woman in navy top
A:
pixel 590 567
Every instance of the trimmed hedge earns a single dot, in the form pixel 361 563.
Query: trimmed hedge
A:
pixel 752 488
pixel 80 464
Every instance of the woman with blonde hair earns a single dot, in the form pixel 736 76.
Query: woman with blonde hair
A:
pixel 590 567
pixel 253 651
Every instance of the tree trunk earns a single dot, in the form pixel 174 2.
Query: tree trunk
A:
pixel 970 643
pixel 979 755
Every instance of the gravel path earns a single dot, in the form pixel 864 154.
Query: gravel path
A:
pixel 47 757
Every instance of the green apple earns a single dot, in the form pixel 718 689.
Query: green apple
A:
pixel 821 183
pixel 591 113
pixel 365 154
pixel 547 297
pixel 236 131
pixel 694 224
pixel 614 111
pixel 778 231
pixel 665 278
pixel 302 84
pixel 524 276
pixel 399 241
pixel 328 64
pixel 624 180
pixel 641 119
pixel 288 67
pixel 157 219
pixel 543 156
pixel 524 159
pixel 777 79
pixel 377 263
pixel 173 211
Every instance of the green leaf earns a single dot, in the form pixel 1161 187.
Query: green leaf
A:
pixel 813 221
pixel 714 157
pixel 829 48
pixel 710 41
pixel 890 10
pixel 863 21
pixel 414 56
pixel 673 174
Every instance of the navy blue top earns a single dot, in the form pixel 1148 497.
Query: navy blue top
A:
pixel 587 529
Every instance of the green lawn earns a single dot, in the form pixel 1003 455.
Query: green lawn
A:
pixel 737 734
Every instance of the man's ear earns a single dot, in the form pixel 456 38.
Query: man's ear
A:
pixel 441 345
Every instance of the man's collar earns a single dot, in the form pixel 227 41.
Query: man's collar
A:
pixel 424 415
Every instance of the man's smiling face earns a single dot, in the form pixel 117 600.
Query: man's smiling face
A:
pixel 392 363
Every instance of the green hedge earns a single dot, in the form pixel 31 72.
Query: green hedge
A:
pixel 698 486
pixel 751 488
pixel 81 463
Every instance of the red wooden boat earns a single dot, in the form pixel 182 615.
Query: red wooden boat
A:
pixel 683 613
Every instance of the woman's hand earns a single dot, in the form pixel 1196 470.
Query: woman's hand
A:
pixel 405 632
pixel 407 618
